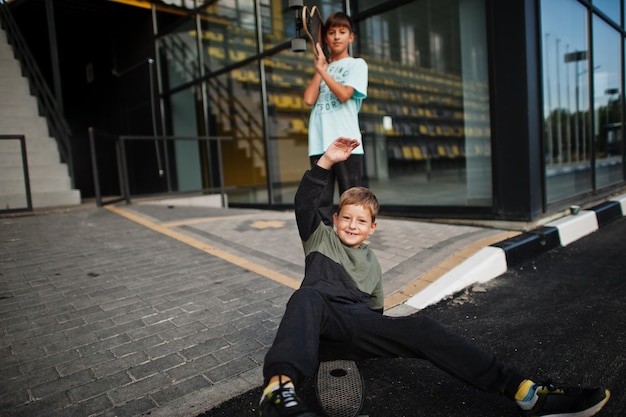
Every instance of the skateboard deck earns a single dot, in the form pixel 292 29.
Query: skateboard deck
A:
pixel 339 388
pixel 313 24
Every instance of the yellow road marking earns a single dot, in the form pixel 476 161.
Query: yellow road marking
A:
pixel 236 260
pixel 188 222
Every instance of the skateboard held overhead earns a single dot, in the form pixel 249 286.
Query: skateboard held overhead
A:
pixel 308 20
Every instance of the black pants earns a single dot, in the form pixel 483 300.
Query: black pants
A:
pixel 312 322
pixel 348 174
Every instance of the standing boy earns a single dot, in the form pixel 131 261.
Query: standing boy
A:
pixel 339 306
pixel 336 92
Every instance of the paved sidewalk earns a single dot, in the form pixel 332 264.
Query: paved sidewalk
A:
pixel 144 309
pixel 129 310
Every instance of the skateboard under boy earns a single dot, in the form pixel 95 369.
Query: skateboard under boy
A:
pixel 339 388
pixel 309 20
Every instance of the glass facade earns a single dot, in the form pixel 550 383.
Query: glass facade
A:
pixel 607 82
pixel 228 70
pixel 582 95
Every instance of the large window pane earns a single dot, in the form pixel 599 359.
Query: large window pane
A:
pixel 287 76
pixel 188 168
pixel 607 108
pixel 179 54
pixel 611 8
pixel 426 118
pixel 234 107
pixel 228 33
pixel 566 99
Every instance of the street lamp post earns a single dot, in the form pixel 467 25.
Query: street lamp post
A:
pixel 576 57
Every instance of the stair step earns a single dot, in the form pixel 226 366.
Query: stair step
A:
pixel 40 200
pixel 17 84
pixel 16 172
pixel 9 69
pixel 22 105
pixel 37 185
pixel 34 158
pixel 13 201
pixel 11 149
pixel 56 198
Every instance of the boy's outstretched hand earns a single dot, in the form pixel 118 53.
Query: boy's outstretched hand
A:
pixel 338 151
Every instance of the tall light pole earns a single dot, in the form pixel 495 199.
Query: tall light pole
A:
pixel 559 130
pixel 548 121
pixel 576 57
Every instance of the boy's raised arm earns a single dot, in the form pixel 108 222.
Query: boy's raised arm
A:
pixel 313 182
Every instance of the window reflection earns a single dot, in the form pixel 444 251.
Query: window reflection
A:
pixel 287 75
pixel 426 118
pixel 607 107
pixel 611 8
pixel 566 99
pixel 179 57
pixel 234 103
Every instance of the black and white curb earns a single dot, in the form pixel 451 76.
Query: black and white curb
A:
pixel 496 259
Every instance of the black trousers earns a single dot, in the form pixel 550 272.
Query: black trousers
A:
pixel 311 322
pixel 348 174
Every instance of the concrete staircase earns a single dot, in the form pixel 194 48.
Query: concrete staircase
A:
pixel 49 178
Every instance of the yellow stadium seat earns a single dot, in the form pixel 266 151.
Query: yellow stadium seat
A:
pixel 417 153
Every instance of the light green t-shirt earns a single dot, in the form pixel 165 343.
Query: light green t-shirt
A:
pixel 330 118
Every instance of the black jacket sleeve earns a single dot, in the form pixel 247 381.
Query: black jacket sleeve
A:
pixel 307 201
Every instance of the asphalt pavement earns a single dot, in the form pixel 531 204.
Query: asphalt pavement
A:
pixel 168 309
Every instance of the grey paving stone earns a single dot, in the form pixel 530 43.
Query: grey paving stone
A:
pixel 156 366
pixel 106 344
pixel 180 389
pixel 64 383
pixel 99 386
pixel 204 348
pixel 123 363
pixel 236 351
pixel 85 362
pixel 31 364
pixel 42 406
pixel 140 345
pixel 193 367
pixel 10 400
pixel 136 407
pixel 234 367
pixel 90 407
pixel 139 388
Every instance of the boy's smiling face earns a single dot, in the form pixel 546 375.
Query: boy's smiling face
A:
pixel 354 224
pixel 338 38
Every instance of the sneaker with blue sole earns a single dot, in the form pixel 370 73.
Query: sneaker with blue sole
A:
pixel 567 402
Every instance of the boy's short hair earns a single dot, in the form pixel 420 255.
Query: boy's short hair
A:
pixel 338 19
pixel 360 196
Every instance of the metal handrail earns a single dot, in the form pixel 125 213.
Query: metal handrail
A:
pixel 120 150
pixel 29 201
pixel 48 105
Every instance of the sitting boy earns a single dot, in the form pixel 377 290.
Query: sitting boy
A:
pixel 339 306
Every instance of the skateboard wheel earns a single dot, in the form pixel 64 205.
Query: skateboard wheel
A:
pixel 296 4
pixel 298 45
